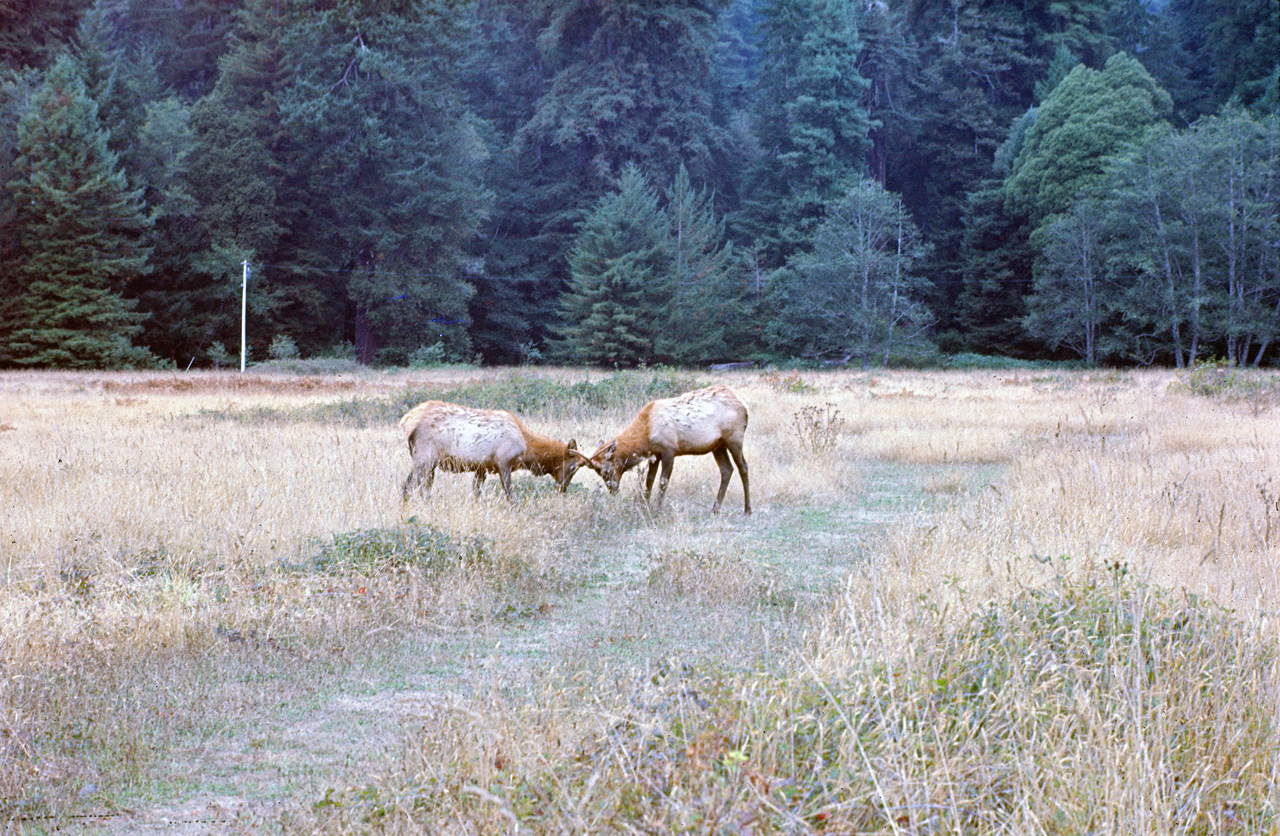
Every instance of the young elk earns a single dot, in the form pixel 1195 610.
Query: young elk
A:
pixel 711 420
pixel 548 457
pixel 461 440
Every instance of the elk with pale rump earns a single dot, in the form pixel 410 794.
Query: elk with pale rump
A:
pixel 711 420
pixel 460 439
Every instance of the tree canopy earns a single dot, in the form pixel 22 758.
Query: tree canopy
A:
pixel 622 182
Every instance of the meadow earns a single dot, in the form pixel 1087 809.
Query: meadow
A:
pixel 1010 601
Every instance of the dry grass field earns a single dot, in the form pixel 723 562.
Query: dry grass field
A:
pixel 1014 602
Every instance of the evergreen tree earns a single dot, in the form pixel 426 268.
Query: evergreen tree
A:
pixel 950 119
pixel 189 296
pixel 733 78
pixel 1063 62
pixel 996 259
pixel 612 308
pixel 385 184
pixel 699 292
pixel 622 81
pixel 34 33
pixel 81 232
pixel 891 63
pixel 1084 27
pixel 860 293
pixel 239 140
pixel 811 118
pixel 518 289
pixel 1232 49
pixel 183 40
pixel 17 90
pixel 631 84
pixel 121 81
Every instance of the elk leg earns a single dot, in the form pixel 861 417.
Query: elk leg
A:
pixel 480 474
pixel 726 473
pixel 668 459
pixel 651 472
pixel 504 475
pixel 420 477
pixel 741 462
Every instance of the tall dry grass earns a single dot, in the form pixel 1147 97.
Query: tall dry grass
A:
pixel 1085 645
pixel 1081 641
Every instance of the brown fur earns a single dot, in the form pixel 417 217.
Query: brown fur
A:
pixel 545 456
pixel 711 420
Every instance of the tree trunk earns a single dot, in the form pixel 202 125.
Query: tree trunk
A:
pixel 366 342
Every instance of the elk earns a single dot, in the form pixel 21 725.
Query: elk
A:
pixel 545 456
pixel 711 420
pixel 461 440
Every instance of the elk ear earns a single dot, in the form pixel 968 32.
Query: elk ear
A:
pixel 573 444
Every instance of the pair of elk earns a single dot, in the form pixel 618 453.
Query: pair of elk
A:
pixel 460 439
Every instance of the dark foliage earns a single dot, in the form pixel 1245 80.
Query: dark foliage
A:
pixel 444 175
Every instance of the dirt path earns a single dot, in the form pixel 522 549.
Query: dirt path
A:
pixel 354 727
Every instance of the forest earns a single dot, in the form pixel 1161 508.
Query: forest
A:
pixel 621 183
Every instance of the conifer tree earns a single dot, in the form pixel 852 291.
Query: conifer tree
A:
pixel 82 232
pixel 32 34
pixel 612 308
pixel 700 297
pixel 996 261
pixel 386 167
pixel 17 90
pixel 191 301
pixel 236 187
pixel 811 119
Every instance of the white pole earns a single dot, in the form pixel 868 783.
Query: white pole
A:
pixel 244 306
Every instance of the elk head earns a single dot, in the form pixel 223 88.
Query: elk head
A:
pixel 611 463
pixel 568 466
pixel 606 462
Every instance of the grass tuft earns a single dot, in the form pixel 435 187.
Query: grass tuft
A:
pixel 713 577
pixel 1224 381
pixel 424 547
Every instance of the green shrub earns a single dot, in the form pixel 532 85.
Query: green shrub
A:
pixel 283 348
pixel 427 356
pixel 218 355
pixel 413 545
pixel 1223 380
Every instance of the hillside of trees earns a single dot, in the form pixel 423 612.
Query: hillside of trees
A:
pixel 621 182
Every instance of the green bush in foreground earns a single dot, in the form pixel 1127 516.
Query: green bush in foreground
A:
pixel 414 545
pixel 1090 706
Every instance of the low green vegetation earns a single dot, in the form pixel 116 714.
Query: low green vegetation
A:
pixel 522 393
pixel 414 544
